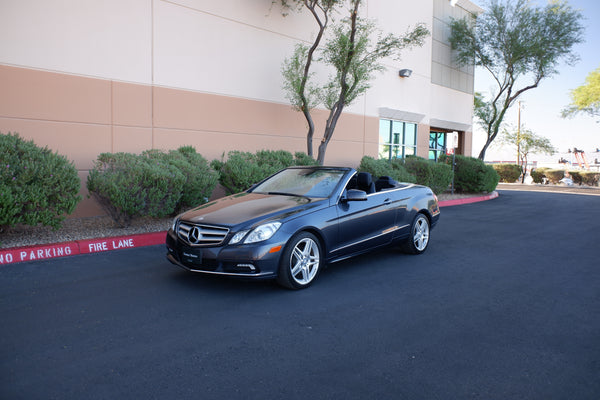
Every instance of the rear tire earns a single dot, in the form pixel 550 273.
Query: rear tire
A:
pixel 418 240
pixel 300 262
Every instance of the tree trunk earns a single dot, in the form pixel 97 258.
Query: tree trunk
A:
pixel 524 167
pixel 310 133
pixel 484 149
pixel 322 150
pixel 336 110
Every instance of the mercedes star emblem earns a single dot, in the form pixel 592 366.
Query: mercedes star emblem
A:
pixel 195 235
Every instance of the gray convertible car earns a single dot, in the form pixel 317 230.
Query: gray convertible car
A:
pixel 290 225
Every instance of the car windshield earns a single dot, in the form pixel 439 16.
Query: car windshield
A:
pixel 309 182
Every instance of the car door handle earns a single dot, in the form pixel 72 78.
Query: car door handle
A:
pixel 387 201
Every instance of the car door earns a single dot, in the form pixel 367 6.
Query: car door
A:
pixel 363 225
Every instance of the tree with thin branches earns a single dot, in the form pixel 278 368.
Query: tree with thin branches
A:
pixel 519 45
pixel 585 99
pixel 527 143
pixel 354 56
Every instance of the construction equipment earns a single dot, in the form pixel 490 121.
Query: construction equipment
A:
pixel 581 158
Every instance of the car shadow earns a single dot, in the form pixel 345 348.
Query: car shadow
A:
pixel 206 282
pixel 382 260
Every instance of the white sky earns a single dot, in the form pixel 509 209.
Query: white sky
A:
pixel 542 106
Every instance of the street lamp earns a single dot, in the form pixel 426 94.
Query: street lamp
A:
pixel 519 134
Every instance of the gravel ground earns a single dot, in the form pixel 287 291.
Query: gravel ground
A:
pixel 77 229
pixel 97 227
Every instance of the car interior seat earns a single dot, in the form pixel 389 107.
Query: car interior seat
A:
pixel 385 182
pixel 365 182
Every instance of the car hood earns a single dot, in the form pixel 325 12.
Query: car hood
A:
pixel 248 208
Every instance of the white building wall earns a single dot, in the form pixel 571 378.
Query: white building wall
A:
pixel 207 51
pixel 230 47
pixel 108 39
pixel 233 47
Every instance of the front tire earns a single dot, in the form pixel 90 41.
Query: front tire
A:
pixel 300 262
pixel 418 240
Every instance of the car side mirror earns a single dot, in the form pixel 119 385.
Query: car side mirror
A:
pixel 355 195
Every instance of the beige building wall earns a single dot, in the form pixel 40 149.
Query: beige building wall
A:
pixel 129 75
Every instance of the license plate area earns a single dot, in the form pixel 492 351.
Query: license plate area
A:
pixel 191 256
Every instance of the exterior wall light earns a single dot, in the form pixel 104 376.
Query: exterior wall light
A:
pixel 405 73
pixel 453 2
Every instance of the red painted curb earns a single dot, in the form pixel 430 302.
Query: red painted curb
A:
pixel 88 246
pixel 468 200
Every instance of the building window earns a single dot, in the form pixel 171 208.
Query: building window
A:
pixel 437 144
pixel 397 139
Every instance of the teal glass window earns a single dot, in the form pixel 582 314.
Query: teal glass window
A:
pixel 397 139
pixel 437 144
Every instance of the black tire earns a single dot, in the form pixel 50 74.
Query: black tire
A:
pixel 418 240
pixel 300 262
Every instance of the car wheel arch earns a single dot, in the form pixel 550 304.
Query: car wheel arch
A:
pixel 318 234
pixel 426 213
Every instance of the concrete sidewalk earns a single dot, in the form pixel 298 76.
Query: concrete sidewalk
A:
pixel 575 189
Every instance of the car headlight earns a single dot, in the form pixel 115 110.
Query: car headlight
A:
pixel 237 237
pixel 258 234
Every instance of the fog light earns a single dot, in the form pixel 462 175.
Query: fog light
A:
pixel 246 266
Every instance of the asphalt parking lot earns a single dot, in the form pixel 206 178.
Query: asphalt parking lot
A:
pixel 505 304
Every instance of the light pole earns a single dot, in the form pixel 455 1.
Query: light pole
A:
pixel 519 135
pixel 519 139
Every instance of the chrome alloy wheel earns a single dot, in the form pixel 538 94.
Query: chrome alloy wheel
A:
pixel 304 261
pixel 420 233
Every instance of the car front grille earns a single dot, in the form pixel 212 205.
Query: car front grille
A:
pixel 195 234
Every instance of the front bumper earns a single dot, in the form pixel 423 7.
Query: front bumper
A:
pixel 247 261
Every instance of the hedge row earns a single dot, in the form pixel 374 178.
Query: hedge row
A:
pixel 380 167
pixel 437 176
pixel 159 184
pixel 549 175
pixel 154 184
pixel 508 173
pixel 41 187
pixel 471 175
pixel 243 169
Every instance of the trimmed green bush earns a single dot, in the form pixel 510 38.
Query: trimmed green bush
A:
pixel 303 159
pixel 382 167
pixel 37 186
pixel 442 177
pixel 538 175
pixel 554 175
pixel 128 186
pixel 420 168
pixel 437 176
pixel 588 178
pixel 244 169
pixel 577 177
pixel 200 178
pixel 471 175
pixel 509 173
